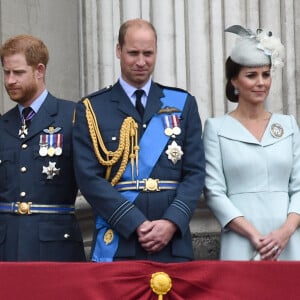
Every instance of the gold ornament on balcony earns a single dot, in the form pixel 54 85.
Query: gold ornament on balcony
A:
pixel 160 284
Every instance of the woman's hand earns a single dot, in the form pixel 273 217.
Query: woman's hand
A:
pixel 272 244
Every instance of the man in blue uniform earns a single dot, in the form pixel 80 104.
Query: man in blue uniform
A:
pixel 139 158
pixel 37 182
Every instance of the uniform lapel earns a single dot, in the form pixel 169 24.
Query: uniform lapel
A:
pixel 124 104
pixel 154 103
pixel 43 119
pixel 12 122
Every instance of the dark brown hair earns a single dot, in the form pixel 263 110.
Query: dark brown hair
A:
pixel 232 70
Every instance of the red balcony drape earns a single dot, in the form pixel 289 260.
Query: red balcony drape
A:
pixel 131 280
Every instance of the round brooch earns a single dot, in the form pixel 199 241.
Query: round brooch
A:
pixel 276 130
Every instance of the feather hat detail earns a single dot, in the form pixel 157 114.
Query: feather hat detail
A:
pixel 256 49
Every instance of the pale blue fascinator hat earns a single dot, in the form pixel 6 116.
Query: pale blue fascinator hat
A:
pixel 256 49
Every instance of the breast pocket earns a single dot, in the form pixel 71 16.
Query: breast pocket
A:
pixel 111 139
pixel 54 169
pixel 7 169
pixel 60 241
pixel 172 156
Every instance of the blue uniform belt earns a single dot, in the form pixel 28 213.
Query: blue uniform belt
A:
pixel 147 185
pixel 27 208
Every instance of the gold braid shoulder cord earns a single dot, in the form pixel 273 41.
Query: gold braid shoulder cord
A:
pixel 128 145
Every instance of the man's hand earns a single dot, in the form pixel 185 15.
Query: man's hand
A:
pixel 154 236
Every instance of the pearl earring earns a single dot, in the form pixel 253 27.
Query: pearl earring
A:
pixel 236 91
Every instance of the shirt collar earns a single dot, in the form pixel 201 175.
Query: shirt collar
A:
pixel 130 90
pixel 37 103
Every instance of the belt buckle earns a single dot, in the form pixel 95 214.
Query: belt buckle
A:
pixel 151 185
pixel 24 208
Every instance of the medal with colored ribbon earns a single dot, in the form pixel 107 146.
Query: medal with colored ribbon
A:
pixel 167 125
pixel 23 131
pixel 43 145
pixel 51 149
pixel 176 125
pixel 58 143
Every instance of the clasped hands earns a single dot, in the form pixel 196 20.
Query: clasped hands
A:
pixel 155 235
pixel 270 246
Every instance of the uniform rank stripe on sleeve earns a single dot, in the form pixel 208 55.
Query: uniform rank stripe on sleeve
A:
pixel 123 214
pixel 182 206
pixel 119 212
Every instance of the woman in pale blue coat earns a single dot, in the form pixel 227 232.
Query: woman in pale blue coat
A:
pixel 253 159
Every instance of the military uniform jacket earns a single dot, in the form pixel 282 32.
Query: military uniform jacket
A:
pixel 52 237
pixel 111 107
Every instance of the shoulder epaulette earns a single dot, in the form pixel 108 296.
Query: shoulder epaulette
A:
pixel 99 92
pixel 171 88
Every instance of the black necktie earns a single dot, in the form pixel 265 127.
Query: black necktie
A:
pixel 27 114
pixel 138 104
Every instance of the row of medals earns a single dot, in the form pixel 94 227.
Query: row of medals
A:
pixel 51 151
pixel 51 148
pixel 172 126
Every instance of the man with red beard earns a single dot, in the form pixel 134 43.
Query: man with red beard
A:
pixel 37 184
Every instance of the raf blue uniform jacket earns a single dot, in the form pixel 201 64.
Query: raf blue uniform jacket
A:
pixel 111 107
pixel 35 237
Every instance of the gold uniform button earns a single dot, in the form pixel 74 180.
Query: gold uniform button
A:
pixel 23 169
pixel 22 194
pixel 24 146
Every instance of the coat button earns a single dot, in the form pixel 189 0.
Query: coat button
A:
pixel 24 146
pixel 66 235
pixel 23 169
pixel 23 194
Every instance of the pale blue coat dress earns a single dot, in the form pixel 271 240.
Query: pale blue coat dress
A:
pixel 257 180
